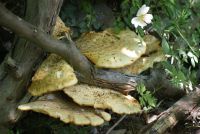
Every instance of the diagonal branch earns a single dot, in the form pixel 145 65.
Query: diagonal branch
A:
pixel 40 38
pixel 85 71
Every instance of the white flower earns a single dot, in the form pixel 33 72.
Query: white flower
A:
pixel 142 18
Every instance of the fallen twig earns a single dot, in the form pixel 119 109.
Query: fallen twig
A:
pixel 117 123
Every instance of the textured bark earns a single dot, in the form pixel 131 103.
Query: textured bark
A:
pixel 17 68
pixel 179 111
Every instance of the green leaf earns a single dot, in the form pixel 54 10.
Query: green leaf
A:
pixel 142 102
pixel 141 89
pixel 140 31
pixel 146 98
pixel 150 99
pixel 165 46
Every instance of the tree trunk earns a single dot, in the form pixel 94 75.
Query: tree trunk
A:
pixel 17 68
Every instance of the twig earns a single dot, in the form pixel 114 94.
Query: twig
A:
pixel 117 123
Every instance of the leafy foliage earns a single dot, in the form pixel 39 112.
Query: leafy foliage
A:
pixel 80 16
pixel 175 22
pixel 147 100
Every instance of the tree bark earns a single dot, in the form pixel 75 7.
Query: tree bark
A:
pixel 17 68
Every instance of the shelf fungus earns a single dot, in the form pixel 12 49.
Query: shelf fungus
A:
pixel 152 44
pixel 152 55
pixel 109 50
pixel 143 63
pixel 82 104
pixel 103 99
pixel 54 74
pixel 59 107
pixel 60 30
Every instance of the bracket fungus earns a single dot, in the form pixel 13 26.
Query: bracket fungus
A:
pixel 143 63
pixel 103 98
pixel 54 74
pixel 152 55
pixel 60 30
pixel 152 44
pixel 109 50
pixel 67 111
pixel 124 52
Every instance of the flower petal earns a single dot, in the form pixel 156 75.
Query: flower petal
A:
pixel 148 18
pixel 143 10
pixel 136 21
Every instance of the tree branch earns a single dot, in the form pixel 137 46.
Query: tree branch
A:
pixel 40 38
